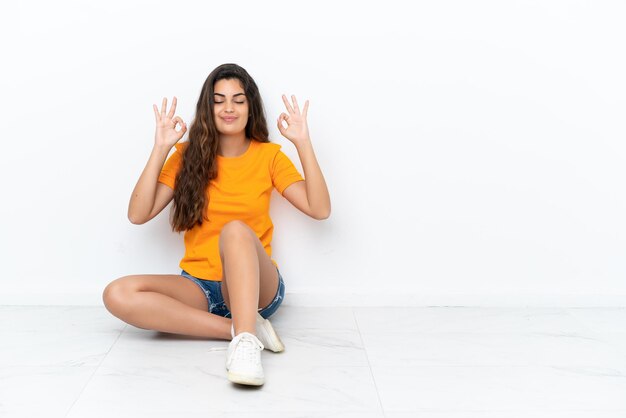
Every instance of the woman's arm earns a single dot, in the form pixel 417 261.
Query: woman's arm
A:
pixel 316 190
pixel 148 199
pixel 143 199
pixel 297 131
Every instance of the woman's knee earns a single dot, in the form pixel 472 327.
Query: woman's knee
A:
pixel 234 230
pixel 116 295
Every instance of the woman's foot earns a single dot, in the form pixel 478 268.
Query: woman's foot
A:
pixel 243 360
pixel 266 334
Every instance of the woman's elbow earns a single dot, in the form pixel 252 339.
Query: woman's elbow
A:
pixel 136 220
pixel 321 217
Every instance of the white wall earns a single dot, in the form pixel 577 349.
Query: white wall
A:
pixel 474 151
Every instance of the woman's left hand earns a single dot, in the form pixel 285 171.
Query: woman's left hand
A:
pixel 297 130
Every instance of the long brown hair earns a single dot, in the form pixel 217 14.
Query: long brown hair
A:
pixel 199 165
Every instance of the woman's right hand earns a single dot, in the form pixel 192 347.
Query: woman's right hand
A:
pixel 166 133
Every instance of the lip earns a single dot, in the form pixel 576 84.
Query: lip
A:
pixel 229 119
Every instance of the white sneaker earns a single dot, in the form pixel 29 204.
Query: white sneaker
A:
pixel 243 361
pixel 266 334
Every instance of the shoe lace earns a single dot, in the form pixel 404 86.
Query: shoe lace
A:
pixel 247 348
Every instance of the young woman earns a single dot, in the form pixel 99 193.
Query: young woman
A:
pixel 221 181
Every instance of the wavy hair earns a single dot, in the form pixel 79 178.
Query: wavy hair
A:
pixel 199 162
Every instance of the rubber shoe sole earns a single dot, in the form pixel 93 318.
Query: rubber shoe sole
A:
pixel 245 380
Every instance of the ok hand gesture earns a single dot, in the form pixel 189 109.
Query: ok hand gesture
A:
pixel 166 134
pixel 297 130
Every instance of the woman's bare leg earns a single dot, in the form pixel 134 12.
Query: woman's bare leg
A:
pixel 164 302
pixel 250 279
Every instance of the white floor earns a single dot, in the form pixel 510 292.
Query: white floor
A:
pixel 338 362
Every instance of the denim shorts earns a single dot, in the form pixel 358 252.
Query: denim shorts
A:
pixel 213 291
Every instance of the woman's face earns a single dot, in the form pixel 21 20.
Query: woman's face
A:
pixel 230 111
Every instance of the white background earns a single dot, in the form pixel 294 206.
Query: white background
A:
pixel 474 151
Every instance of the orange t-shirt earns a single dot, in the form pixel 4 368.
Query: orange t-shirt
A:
pixel 242 191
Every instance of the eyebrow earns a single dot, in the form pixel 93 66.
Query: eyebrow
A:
pixel 238 94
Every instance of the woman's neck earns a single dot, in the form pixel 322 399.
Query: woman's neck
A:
pixel 233 145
